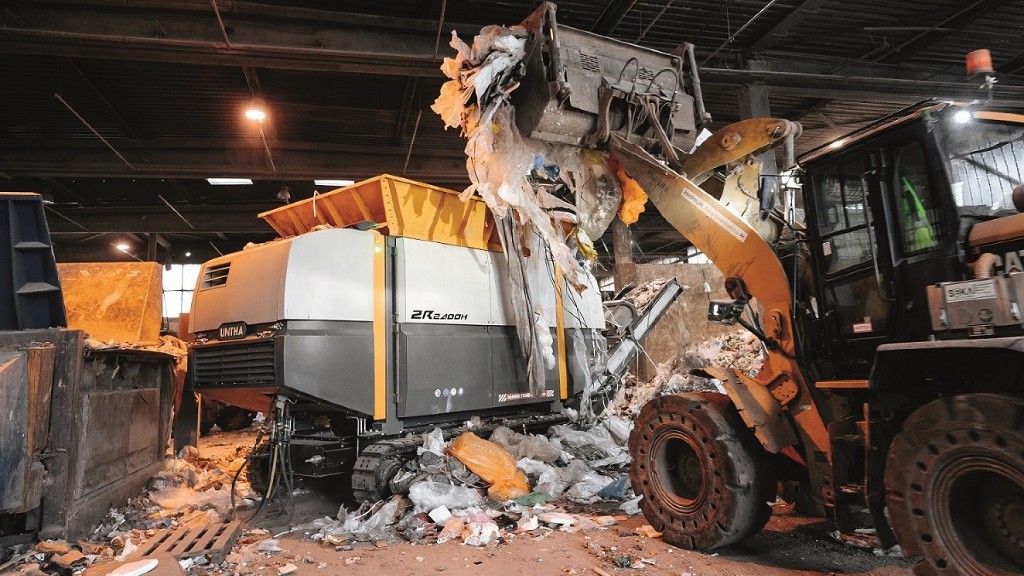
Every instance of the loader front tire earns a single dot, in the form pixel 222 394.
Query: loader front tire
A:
pixel 705 480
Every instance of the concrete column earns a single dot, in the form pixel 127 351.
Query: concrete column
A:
pixel 753 103
pixel 152 241
pixel 624 269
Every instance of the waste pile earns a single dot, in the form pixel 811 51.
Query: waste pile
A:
pixel 476 491
pixel 740 350
pixel 191 491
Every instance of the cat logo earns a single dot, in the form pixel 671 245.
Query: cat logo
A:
pixel 1008 263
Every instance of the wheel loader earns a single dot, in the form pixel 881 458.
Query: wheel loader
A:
pixel 892 395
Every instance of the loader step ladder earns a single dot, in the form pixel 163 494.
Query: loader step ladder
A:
pixel 30 294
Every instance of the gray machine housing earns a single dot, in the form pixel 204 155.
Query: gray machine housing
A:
pixel 295 317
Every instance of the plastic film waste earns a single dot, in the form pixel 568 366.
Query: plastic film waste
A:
pixel 491 463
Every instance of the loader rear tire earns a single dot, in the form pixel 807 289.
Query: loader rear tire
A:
pixel 955 486
pixel 705 480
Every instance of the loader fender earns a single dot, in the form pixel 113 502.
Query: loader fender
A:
pixel 760 410
pixel 994 365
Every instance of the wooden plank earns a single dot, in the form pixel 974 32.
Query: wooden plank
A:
pixel 40 387
pixel 183 542
pixel 14 456
pixel 361 206
pixel 205 538
pixel 225 541
pixel 65 431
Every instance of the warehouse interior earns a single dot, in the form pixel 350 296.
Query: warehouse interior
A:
pixel 177 137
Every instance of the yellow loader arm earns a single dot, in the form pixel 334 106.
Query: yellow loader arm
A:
pixel 739 252
pixel 735 142
pixel 735 147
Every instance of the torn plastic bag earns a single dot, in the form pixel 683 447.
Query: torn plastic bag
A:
pixel 584 483
pixel 539 448
pixel 634 199
pixel 493 464
pixel 382 518
pixel 547 478
pixel 531 446
pixel 480 533
pixel 507 438
pixel 619 429
pixel 631 507
pixel 596 445
pixel 429 495
pixel 615 490
pixel 432 442
pixel 371 522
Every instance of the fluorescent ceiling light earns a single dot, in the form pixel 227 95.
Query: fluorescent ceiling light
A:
pixel 122 247
pixel 229 181
pixel 329 182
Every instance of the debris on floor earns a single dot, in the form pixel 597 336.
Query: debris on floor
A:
pixel 476 490
pixel 191 492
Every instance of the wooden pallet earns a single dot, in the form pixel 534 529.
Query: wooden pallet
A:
pixel 189 541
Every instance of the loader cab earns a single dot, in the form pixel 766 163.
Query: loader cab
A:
pixel 888 214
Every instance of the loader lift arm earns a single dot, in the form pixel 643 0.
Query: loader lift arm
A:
pixel 739 252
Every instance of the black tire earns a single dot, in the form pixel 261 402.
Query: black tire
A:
pixel 234 418
pixel 257 472
pixel 206 422
pixel 705 480
pixel 955 486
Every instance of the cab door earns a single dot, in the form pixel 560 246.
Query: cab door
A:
pixel 849 244
pixel 922 227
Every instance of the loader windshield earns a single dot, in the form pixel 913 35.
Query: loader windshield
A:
pixel 986 160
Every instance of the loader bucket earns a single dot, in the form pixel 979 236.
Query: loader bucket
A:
pixel 560 98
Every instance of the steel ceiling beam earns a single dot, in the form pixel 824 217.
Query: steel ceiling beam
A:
pixel 934 35
pixel 411 85
pixel 860 88
pixel 1012 66
pixel 612 15
pixel 122 122
pixel 235 158
pixel 160 220
pixel 780 31
pixel 260 35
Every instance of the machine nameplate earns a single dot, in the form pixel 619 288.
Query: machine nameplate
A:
pixel 974 290
pixel 232 330
pixel 719 218
pixel 432 315
pixel 524 396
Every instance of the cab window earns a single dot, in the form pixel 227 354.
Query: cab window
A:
pixel 919 216
pixel 842 217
